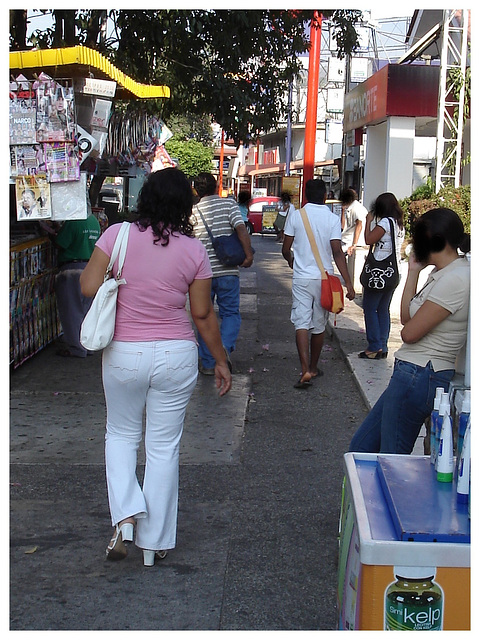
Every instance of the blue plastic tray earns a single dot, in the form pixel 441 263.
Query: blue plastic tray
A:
pixel 422 509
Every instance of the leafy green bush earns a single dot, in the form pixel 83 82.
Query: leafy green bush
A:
pixel 193 156
pixel 424 198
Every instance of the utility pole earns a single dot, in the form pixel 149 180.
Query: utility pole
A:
pixel 288 142
pixel 220 167
pixel 312 100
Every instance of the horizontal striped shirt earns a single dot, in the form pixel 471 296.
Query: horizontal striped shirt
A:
pixel 222 215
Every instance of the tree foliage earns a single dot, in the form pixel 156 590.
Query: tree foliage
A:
pixel 424 198
pixel 233 65
pixel 193 157
pixel 191 126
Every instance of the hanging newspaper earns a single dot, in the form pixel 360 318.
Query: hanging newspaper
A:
pixel 33 198
pixel 22 112
pixel 55 110
pixel 26 160
pixel 61 161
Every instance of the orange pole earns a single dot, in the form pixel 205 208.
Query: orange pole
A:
pixel 220 168
pixel 312 100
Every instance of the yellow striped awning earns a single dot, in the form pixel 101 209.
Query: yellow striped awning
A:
pixel 80 61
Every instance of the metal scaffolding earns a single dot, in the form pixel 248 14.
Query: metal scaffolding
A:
pixel 451 104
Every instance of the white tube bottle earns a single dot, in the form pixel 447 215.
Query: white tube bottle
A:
pixel 463 478
pixel 445 464
pixel 434 424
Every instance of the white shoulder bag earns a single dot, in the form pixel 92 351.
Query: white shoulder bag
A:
pixel 99 324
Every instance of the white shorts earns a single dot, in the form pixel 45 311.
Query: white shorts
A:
pixel 306 310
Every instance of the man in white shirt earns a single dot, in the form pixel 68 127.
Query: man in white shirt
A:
pixel 307 315
pixel 354 215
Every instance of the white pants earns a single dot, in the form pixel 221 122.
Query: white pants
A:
pixel 158 378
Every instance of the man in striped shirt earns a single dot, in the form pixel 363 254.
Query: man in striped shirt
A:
pixel 222 215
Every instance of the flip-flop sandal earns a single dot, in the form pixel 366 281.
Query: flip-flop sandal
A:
pixel 302 384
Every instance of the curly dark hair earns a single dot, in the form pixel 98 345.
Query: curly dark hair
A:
pixel 165 204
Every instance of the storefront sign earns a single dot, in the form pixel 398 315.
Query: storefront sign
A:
pixel 292 185
pixel 335 100
pixel 333 131
pixel 358 69
pixel 336 69
pixel 96 87
pixel 395 90
pixel 269 215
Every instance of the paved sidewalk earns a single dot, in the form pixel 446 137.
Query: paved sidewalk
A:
pixel 260 485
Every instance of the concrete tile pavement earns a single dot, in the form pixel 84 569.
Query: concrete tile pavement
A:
pixel 254 559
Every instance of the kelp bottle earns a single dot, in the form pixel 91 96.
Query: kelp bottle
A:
pixel 414 602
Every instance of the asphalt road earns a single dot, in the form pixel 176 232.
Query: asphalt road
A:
pixel 260 489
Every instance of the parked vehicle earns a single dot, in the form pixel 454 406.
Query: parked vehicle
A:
pixel 262 212
pixel 111 199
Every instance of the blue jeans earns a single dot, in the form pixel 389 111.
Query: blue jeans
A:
pixel 226 289
pixel 393 424
pixel 376 311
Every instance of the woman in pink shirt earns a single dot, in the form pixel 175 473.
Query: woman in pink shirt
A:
pixel 152 363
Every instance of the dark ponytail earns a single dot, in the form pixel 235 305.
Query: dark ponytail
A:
pixel 435 229
pixel 464 245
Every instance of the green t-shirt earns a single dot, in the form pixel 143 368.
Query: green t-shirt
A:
pixel 76 239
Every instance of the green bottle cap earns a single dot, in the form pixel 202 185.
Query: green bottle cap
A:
pixel 444 477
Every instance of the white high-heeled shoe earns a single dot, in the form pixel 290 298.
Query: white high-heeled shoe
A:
pixel 149 557
pixel 116 549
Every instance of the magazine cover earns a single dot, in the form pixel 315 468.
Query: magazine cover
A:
pixel 33 197
pixel 22 112
pixel 26 160
pixel 61 161
pixel 55 120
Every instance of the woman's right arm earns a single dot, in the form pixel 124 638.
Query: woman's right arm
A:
pixel 410 288
pixel 92 276
pixel 205 319
pixel 427 317
pixel 372 236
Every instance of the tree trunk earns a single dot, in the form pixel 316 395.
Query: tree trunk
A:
pixel 96 26
pixel 18 29
pixel 64 28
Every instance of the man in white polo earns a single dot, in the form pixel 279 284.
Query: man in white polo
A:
pixel 307 316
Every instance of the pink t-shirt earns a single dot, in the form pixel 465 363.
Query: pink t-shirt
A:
pixel 151 305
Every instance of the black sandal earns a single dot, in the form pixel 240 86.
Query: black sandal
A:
pixel 303 384
pixel 374 355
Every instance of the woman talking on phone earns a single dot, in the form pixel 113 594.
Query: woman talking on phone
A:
pixel 435 320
